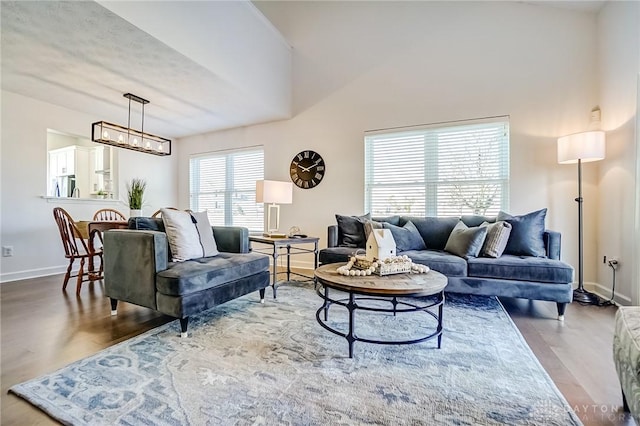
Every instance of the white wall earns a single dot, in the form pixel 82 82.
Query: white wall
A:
pixel 26 218
pixel 369 65
pixel 619 65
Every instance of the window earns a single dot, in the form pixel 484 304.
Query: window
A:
pixel 447 169
pixel 224 184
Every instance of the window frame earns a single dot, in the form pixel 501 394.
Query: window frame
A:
pixel 230 186
pixel 427 142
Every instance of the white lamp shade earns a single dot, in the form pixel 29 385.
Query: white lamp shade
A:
pixel 585 146
pixel 273 191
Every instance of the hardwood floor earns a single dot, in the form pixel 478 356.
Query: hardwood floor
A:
pixel 44 329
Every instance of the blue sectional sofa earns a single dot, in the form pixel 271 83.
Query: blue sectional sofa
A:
pixel 519 272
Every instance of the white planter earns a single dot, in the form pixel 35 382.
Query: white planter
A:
pixel 135 213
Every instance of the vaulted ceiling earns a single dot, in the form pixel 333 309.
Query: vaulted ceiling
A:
pixel 202 65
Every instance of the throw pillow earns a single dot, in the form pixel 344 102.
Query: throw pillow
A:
pixel 182 234
pixel 207 241
pixel 466 242
pixel 369 226
pixel 497 238
pixel 406 237
pixel 527 231
pixel 351 230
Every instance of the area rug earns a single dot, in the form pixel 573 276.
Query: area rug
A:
pixel 246 363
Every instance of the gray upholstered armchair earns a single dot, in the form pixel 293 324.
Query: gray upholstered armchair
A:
pixel 138 270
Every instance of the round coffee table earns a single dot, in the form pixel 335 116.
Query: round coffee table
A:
pixel 374 287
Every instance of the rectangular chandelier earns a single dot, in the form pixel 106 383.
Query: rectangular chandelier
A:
pixel 125 137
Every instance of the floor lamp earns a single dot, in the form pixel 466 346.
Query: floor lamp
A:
pixel 274 192
pixel 581 148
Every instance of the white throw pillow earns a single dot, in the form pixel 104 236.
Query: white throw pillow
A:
pixel 182 234
pixel 207 241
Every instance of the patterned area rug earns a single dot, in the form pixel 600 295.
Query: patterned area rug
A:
pixel 246 363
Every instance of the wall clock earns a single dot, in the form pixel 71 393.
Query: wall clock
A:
pixel 307 169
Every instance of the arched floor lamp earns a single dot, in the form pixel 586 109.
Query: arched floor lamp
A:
pixel 581 148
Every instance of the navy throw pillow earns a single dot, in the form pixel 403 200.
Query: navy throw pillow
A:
pixel 526 238
pixel 406 237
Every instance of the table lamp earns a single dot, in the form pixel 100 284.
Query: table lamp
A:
pixel 581 148
pixel 276 193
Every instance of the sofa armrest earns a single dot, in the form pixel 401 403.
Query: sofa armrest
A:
pixel 332 236
pixel 131 260
pixel 552 240
pixel 231 239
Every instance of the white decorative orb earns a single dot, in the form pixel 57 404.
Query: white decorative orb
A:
pixel 352 273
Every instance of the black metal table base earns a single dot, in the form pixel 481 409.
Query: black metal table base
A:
pixel 351 303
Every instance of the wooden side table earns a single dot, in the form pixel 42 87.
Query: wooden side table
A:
pixel 285 247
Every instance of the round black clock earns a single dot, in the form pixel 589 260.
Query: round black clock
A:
pixel 307 169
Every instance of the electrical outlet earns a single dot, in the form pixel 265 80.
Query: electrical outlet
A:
pixel 7 251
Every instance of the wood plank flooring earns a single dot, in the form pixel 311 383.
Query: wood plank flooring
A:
pixel 44 329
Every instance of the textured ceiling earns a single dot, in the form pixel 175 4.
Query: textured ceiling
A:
pixel 84 57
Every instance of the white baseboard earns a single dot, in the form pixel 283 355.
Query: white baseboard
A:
pixel 32 273
pixel 605 293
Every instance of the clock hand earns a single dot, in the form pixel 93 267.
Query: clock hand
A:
pixel 305 169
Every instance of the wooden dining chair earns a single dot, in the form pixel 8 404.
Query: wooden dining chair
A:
pixel 75 247
pixel 158 213
pixel 109 215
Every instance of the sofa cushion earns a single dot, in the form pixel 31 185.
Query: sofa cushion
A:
pixel 523 268
pixel 466 242
pixel 526 233
pixel 194 275
pixel 406 237
pixel 441 261
pixel 497 238
pixel 394 220
pixel 336 254
pixel 351 230
pixel 472 220
pixel 434 230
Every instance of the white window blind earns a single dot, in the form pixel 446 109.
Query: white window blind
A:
pixel 448 169
pixel 224 184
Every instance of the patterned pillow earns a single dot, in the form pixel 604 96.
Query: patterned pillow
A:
pixel 497 238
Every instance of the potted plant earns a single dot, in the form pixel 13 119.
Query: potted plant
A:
pixel 135 195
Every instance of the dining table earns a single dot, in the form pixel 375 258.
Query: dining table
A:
pixel 88 230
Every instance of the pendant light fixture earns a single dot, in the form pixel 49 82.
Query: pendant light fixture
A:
pixel 128 138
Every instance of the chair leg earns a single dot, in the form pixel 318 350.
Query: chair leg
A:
pixel 80 275
pixel 68 274
pixel 183 326
pixel 101 265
